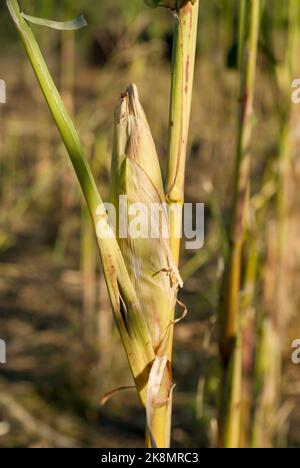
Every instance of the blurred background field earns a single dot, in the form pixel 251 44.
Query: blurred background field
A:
pixel 63 351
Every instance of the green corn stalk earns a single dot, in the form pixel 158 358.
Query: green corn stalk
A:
pixel 229 328
pixel 183 63
pixel 126 307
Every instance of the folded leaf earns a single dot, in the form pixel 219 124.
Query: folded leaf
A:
pixel 76 23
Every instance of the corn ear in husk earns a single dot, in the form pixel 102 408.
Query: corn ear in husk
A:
pixel 136 174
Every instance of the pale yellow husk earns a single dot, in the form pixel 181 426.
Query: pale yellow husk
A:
pixel 136 174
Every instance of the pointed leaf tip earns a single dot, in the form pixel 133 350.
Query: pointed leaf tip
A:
pixel 72 25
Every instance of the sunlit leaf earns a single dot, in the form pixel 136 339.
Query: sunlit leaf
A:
pixel 76 23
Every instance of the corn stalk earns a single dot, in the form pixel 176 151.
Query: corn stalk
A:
pixel 229 327
pixel 183 63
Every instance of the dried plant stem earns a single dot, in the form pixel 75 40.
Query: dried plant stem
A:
pixel 184 49
pixel 229 332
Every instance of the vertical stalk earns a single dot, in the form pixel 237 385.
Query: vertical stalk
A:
pixel 229 330
pixel 285 153
pixel 183 64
